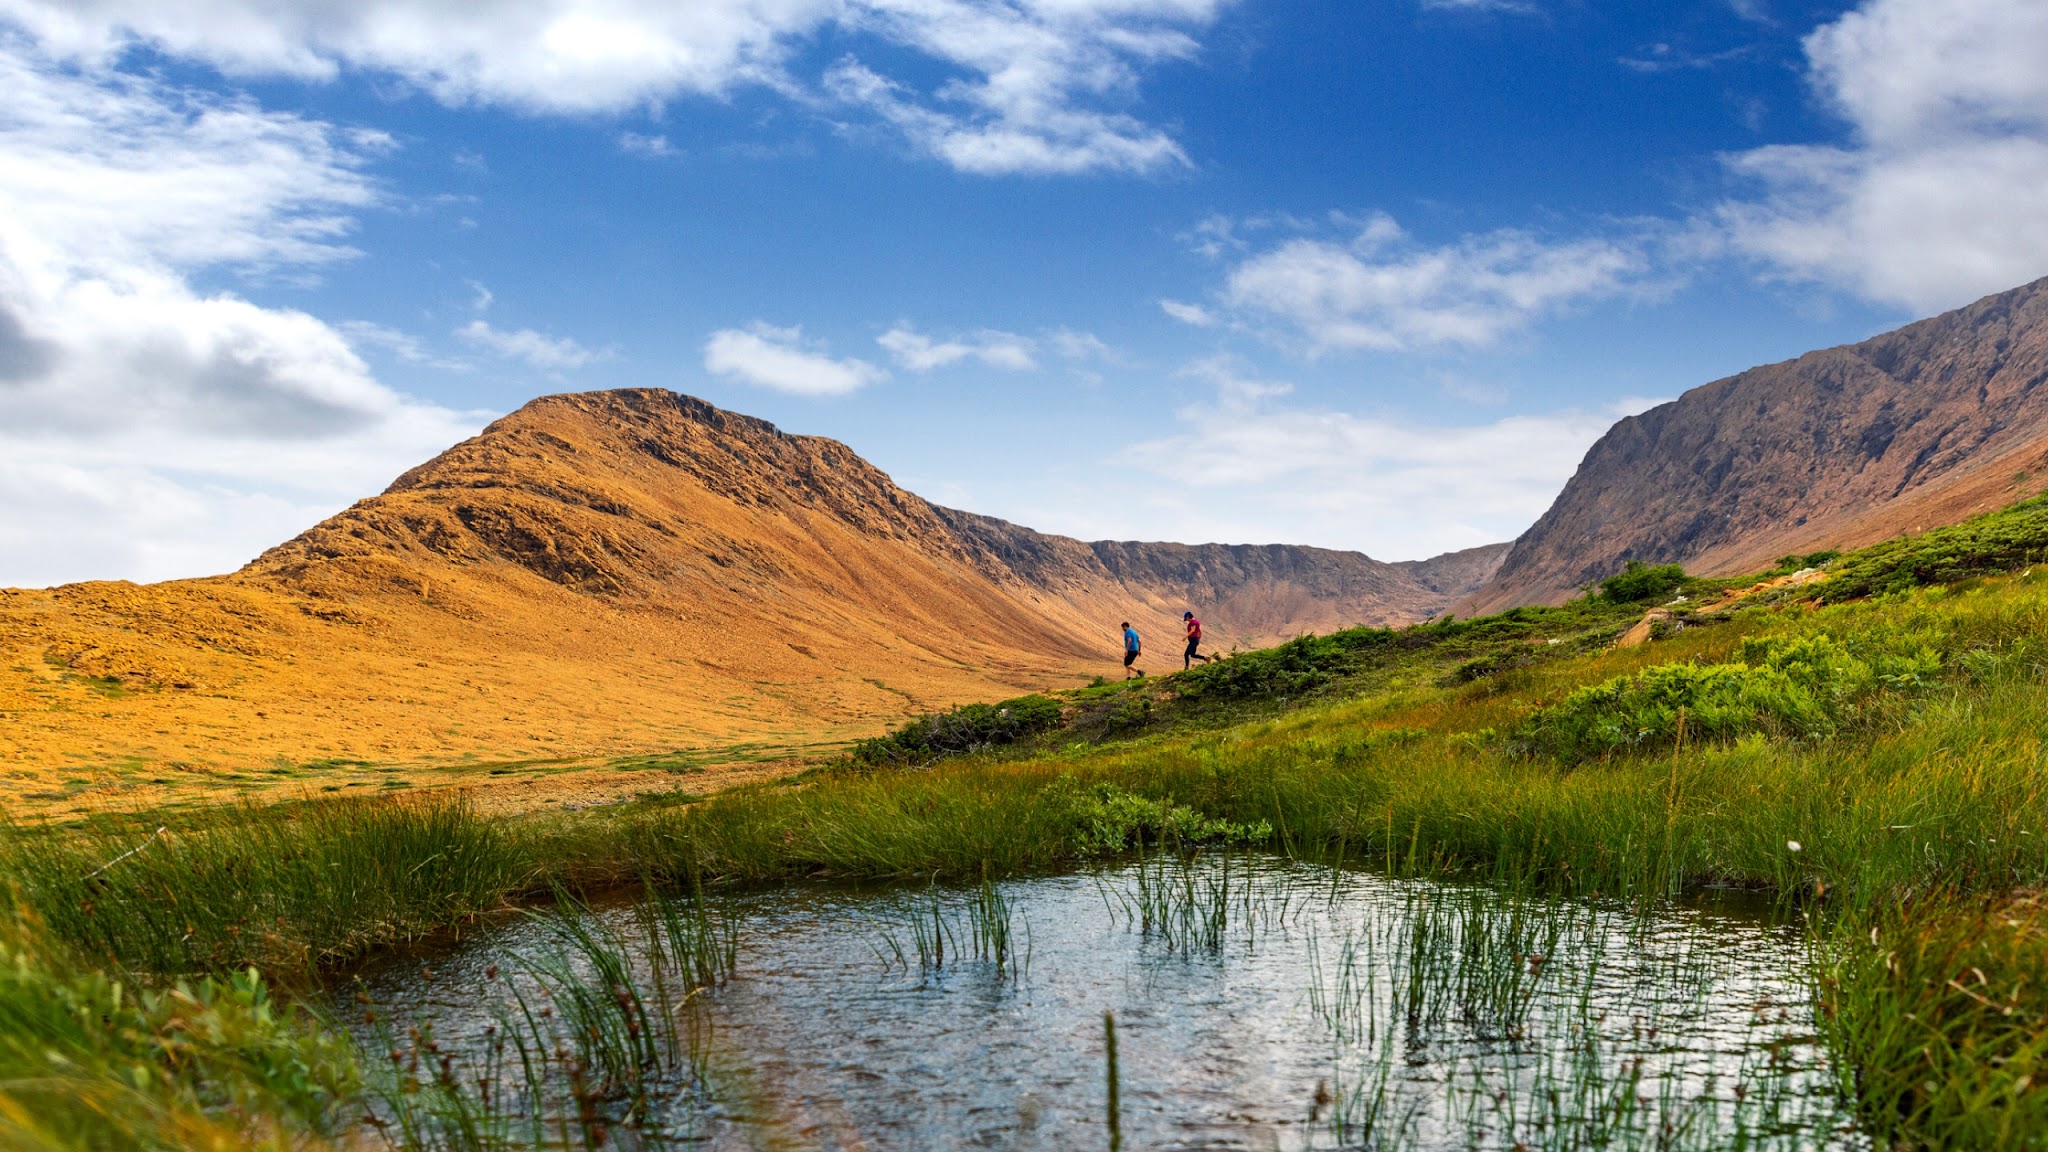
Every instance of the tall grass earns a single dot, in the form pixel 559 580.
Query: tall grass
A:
pixel 285 888
pixel 1530 1040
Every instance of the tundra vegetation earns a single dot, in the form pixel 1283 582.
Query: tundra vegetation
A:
pixel 1871 750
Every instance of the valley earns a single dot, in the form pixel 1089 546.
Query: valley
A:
pixel 709 783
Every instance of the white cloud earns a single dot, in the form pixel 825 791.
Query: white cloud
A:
pixel 1754 11
pixel 1082 346
pixel 1379 290
pixel 133 408
pixel 549 353
pixel 540 54
pixel 403 345
pixel 652 146
pixel 1249 467
pixel 1187 313
pixel 1518 7
pixel 780 358
pixel 1936 200
pixel 920 353
pixel 1026 85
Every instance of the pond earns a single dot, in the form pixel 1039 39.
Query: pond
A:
pixel 1256 1004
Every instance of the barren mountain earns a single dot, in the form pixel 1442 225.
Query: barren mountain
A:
pixel 621 572
pixel 1839 448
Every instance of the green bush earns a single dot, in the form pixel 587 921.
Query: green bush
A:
pixel 1791 688
pixel 1794 562
pixel 1298 666
pixel 1639 582
pixel 968 728
pixel 1108 819
pixel 1993 543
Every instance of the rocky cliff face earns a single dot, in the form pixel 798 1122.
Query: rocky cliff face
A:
pixel 1839 448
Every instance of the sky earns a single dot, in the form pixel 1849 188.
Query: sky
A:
pixel 1365 274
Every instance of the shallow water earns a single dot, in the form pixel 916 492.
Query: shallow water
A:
pixel 1257 1005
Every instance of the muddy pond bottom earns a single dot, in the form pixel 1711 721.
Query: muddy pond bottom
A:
pixel 1257 1004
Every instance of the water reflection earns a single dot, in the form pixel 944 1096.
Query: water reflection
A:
pixel 1259 1004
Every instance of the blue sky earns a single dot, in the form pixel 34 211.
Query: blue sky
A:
pixel 1365 275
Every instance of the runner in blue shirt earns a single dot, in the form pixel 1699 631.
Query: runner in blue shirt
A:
pixel 1130 650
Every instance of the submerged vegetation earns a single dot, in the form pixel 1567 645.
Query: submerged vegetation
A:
pixel 1879 765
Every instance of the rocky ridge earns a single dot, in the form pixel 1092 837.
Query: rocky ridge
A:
pixel 1838 448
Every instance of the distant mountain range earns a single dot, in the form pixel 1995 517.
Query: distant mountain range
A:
pixel 625 570
pixel 1839 448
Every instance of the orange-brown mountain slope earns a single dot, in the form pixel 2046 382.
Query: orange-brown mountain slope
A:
pixel 1839 448
pixel 621 572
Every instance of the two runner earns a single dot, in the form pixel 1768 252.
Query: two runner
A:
pixel 1188 658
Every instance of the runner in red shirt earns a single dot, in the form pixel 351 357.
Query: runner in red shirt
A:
pixel 1194 641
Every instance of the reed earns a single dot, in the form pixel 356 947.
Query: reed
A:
pixel 593 1044
pixel 1115 1113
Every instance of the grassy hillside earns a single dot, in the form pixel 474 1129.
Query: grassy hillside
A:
pixel 1879 764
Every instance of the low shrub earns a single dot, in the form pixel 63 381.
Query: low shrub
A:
pixel 1301 665
pixel 1986 545
pixel 1795 562
pixel 1796 688
pixel 1639 582
pixel 968 728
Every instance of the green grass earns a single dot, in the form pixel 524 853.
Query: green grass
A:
pixel 1880 765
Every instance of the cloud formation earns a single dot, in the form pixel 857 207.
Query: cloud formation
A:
pixel 1036 86
pixel 1936 200
pixel 124 388
pixel 1377 289
pixel 920 353
pixel 781 359
pixel 548 353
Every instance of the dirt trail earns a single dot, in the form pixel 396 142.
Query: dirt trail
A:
pixel 1641 631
